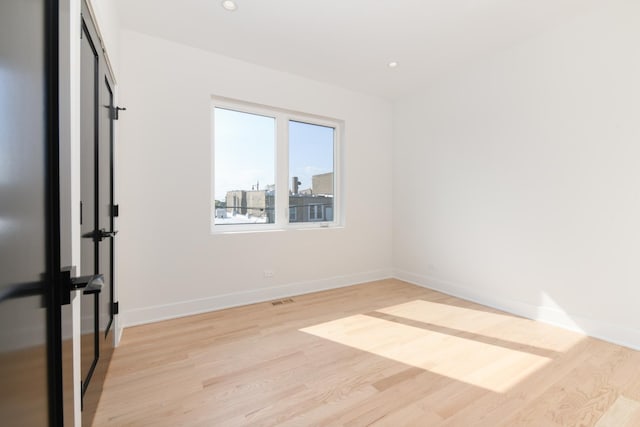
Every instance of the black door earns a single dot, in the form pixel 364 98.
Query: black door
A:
pixel 31 292
pixel 96 192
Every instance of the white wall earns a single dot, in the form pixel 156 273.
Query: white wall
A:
pixel 520 178
pixel 170 263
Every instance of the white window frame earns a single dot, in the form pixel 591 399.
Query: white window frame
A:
pixel 282 118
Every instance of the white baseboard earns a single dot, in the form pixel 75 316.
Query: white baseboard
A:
pixel 187 308
pixel 606 331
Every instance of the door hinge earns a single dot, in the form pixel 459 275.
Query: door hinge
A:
pixel 115 210
pixel 115 112
pixel 115 308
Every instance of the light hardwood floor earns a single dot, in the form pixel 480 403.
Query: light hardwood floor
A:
pixel 384 353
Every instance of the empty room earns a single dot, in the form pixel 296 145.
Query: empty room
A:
pixel 320 213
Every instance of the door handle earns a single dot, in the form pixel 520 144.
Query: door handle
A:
pixel 91 283
pixel 95 286
pixel 99 235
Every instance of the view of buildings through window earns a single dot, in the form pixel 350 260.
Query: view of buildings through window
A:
pixel 245 173
pixel 311 172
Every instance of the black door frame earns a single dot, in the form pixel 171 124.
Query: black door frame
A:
pixel 108 80
pixel 55 292
pixel 85 33
pixel 102 165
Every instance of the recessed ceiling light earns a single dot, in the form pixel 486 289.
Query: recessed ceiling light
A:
pixel 230 5
pixel 392 64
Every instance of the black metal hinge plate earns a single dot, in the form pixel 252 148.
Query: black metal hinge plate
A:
pixel 115 210
pixel 115 308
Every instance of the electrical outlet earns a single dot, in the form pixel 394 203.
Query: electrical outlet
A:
pixel 268 274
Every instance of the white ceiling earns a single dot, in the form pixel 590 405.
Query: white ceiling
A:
pixel 349 42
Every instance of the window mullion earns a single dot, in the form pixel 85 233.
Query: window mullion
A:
pixel 282 170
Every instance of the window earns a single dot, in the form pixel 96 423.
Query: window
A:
pixel 315 213
pixel 244 162
pixel 272 168
pixel 311 169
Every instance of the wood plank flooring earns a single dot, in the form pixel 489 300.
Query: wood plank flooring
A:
pixel 385 353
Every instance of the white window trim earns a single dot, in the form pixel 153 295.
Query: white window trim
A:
pixel 282 118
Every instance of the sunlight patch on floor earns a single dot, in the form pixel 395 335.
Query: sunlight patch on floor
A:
pixel 500 326
pixel 623 413
pixel 491 367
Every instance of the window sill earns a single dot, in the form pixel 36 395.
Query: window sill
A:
pixel 230 229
